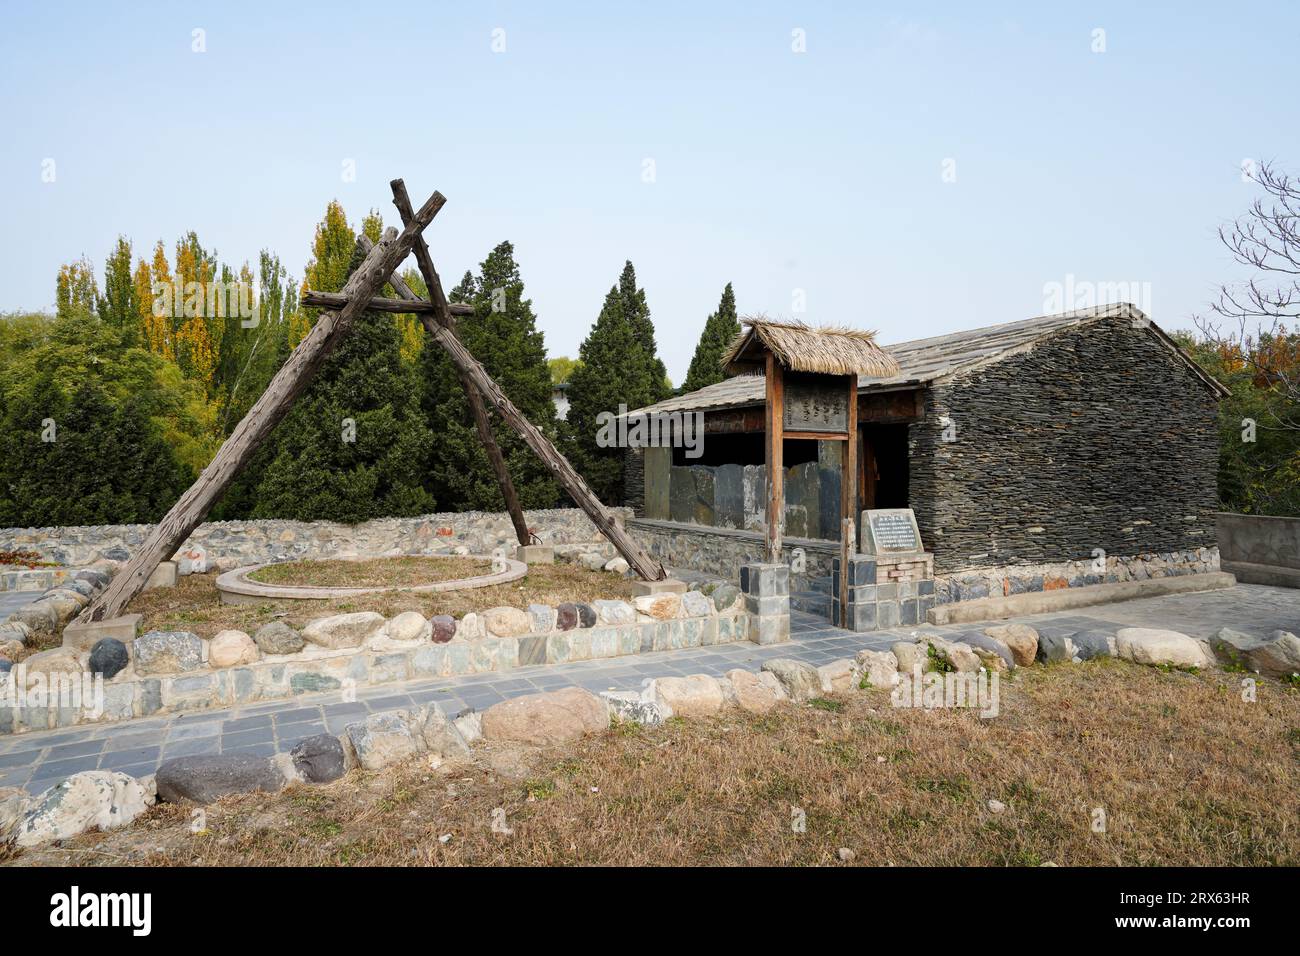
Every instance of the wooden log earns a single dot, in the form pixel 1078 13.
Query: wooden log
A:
pixel 336 300
pixel 442 315
pixel 774 457
pixel 636 557
pixel 193 506
pixel 846 553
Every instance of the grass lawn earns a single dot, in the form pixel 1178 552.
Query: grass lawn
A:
pixel 372 572
pixel 194 605
pixel 1184 770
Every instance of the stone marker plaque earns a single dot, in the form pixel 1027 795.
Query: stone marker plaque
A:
pixel 890 531
pixel 816 403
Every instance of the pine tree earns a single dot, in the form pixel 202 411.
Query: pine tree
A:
pixel 720 330
pixel 637 314
pixel 502 334
pixel 607 375
pixel 355 444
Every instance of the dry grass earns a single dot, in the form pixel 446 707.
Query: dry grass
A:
pixel 1186 772
pixel 372 573
pixel 194 605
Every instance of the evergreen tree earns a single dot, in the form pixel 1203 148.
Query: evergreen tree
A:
pixel 720 330
pixel 637 314
pixel 120 305
pixel 355 444
pixel 502 334
pixel 607 375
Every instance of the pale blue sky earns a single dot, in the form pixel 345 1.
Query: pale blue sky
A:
pixel 775 170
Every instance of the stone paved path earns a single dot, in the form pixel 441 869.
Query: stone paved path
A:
pixel 39 760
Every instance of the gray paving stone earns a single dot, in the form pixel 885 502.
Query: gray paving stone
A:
pixel 254 750
pixel 245 724
pixel 119 759
pixel 192 748
pixel 79 749
pixel 260 736
pixel 21 758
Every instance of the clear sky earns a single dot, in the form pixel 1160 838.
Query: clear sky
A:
pixel 776 170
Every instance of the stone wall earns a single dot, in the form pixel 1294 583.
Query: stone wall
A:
pixel 722 551
pixel 234 543
pixel 1098 438
pixel 1260 539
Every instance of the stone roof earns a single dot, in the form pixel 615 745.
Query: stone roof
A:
pixel 932 360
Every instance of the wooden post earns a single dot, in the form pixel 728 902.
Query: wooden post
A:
pixel 336 301
pixel 644 565
pixel 442 316
pixel 849 460
pixel 193 506
pixel 775 433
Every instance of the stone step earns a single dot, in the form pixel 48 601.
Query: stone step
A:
pixel 811 602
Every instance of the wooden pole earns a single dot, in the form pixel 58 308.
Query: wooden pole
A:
pixel 849 461
pixel 442 315
pixel 336 300
pixel 644 565
pixel 775 433
pixel 193 506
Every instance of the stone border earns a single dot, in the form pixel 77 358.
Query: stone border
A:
pixel 235 587
pixel 177 671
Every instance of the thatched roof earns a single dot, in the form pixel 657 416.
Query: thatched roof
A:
pixel 802 348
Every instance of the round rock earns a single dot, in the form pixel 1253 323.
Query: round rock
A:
pixel 108 657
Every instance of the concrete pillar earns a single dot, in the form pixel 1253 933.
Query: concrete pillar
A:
pixel 767 601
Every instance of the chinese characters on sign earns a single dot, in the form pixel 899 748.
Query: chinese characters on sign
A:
pixel 816 403
pixel 890 531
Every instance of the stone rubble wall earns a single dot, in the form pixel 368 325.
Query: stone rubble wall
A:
pixel 231 544
pixel 723 551
pixel 1098 438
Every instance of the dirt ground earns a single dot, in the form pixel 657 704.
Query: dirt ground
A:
pixel 1104 763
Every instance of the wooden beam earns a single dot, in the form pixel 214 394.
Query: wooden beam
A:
pixel 442 315
pixel 303 363
pixel 644 565
pixel 774 431
pixel 336 300
pixel 848 499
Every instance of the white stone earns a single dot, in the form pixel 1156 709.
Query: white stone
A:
pixel 837 676
pixel 408 627
pixel 93 798
pixel 696 696
pixel 880 668
pixel 1147 645
pixel 230 648
pixel 469 628
pixel 343 630
pixel 616 565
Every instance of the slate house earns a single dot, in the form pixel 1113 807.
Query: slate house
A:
pixel 1059 451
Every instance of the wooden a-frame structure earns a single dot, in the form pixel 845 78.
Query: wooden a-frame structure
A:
pixel 359 293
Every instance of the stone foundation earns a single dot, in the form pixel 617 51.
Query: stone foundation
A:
pixel 1021 579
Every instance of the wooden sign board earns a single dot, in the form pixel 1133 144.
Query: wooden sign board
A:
pixel 816 403
pixel 890 531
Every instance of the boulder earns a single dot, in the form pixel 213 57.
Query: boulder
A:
pixel 470 628
pixel 207 778
pixel 696 604
pixel 661 607
pixel 443 628
pixel 549 718
pixel 566 616
pixel 1277 655
pixel 470 725
pixel 436 734
pixel 14 804
pixel 380 740
pixel 1147 645
pixel 614 612
pixel 408 626
pixel 319 759
pixel 343 630
pixel 108 657
pixel 696 696
pixel 57 660
pixel 725 597
pixel 543 618
pixel 592 560
pixel 838 677
pixel 232 648
pixel 983 645
pixel 92 798
pixel 278 638
pixel 751 692
pixel 1093 643
pixel 801 681
pixel 616 565
pixel 878 668
pixel 167 652
pixel 910 656
pixel 630 705
pixel 1020 638
pixel 1054 648
pixel 507 622
pixel 41 620
pixel 960 657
